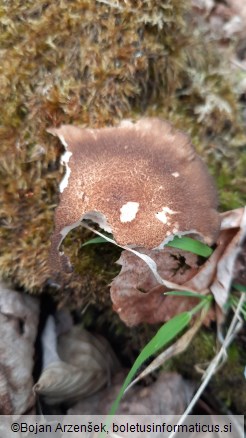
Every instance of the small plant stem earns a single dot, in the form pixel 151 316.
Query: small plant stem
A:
pixel 235 326
pixel 205 302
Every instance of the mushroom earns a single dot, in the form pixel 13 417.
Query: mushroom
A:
pixel 142 181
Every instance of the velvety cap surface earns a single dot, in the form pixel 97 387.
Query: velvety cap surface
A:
pixel 143 181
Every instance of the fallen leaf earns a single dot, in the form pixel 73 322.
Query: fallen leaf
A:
pixel 18 325
pixel 138 297
pixel 235 227
pixel 75 365
pixel 169 395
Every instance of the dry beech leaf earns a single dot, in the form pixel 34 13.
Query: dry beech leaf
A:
pixel 234 225
pixel 18 326
pixel 218 271
pixel 240 266
pixel 239 8
pixel 137 297
pixel 75 365
pixel 169 395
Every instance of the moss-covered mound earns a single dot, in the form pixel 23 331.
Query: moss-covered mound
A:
pixel 92 63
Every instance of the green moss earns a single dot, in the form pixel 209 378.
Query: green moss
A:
pixel 92 63
pixel 199 353
pixel 228 385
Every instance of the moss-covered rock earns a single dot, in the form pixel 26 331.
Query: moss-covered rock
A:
pixel 92 63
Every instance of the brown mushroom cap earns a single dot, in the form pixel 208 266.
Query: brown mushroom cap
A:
pixel 142 181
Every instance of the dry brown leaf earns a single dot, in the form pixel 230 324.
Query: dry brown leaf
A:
pixel 218 271
pixel 239 8
pixel 137 297
pixel 169 395
pixel 240 266
pixel 233 225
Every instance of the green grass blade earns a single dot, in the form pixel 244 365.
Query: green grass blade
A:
pixel 185 293
pixel 191 245
pixel 239 287
pixel 234 302
pixel 185 243
pixel 164 335
pixel 94 241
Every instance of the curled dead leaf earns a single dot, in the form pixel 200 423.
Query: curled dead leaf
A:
pixel 18 325
pixel 233 232
pixel 138 297
pixel 75 365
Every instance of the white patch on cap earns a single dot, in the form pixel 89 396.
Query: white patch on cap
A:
pixel 175 174
pixel 64 160
pixel 163 215
pixel 128 211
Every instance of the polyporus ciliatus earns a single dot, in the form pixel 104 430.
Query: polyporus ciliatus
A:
pixel 141 181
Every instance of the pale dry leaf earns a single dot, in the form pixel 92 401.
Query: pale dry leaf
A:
pixel 207 274
pixel 19 314
pixel 76 365
pixel 205 5
pixel 226 265
pixel 169 395
pixel 239 8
